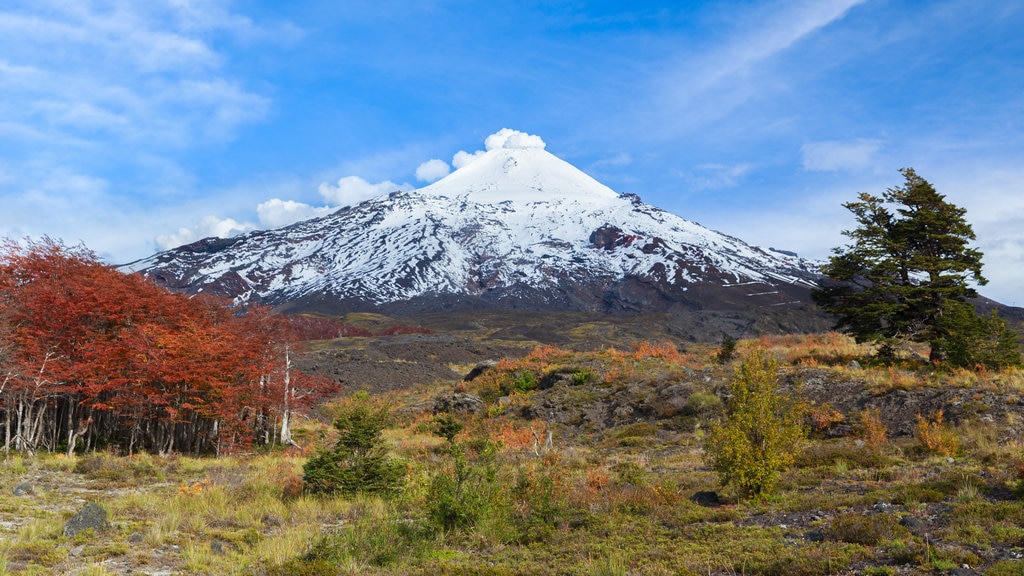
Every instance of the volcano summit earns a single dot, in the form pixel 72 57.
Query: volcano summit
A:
pixel 517 228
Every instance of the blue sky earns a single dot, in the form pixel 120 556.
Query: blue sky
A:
pixel 132 126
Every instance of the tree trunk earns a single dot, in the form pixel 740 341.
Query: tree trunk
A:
pixel 286 409
pixel 7 428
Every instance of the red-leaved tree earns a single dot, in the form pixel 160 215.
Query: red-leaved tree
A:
pixel 88 353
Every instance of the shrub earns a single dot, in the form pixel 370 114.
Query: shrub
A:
pixel 762 431
pixel 519 381
pixel 726 350
pixel 583 375
pixel 372 540
pixel 703 405
pixel 358 462
pixel 984 341
pixel 824 416
pixel 538 495
pixel 467 490
pixel 936 436
pixel 867 530
pixel 870 429
pixel 1006 568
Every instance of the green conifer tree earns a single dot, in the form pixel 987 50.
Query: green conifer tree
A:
pixel 359 461
pixel 908 274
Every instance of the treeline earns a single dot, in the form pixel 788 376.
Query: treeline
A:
pixel 92 357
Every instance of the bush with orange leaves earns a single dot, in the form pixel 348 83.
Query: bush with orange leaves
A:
pixel 824 416
pixel 870 429
pixel 937 436
pixel 194 488
pixel 663 350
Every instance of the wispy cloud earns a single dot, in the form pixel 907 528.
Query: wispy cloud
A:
pixel 707 83
pixel 138 70
pixel 715 176
pixel 834 155
pixel 100 99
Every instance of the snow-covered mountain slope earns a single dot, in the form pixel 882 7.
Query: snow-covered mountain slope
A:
pixel 517 228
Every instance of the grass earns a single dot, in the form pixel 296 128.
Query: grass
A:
pixel 598 501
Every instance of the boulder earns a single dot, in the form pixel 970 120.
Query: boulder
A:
pixel 815 535
pixel 458 402
pixel 92 515
pixel 706 498
pixel 479 369
pixel 24 489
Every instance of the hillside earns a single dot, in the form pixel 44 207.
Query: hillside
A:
pixel 621 487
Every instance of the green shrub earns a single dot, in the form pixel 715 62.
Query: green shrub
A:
pixel 358 462
pixel 467 491
pixel 583 375
pixel 726 350
pixel 447 427
pixel 524 381
pixel 630 473
pixel 974 340
pixel 374 541
pixel 867 530
pixel 1006 568
pixel 762 432
pixel 703 405
pixel 539 505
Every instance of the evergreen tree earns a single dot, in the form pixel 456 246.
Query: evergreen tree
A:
pixel 359 461
pixel 907 274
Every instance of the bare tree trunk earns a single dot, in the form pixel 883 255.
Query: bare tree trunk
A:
pixel 286 408
pixel 216 438
pixel 7 427
pixel 37 428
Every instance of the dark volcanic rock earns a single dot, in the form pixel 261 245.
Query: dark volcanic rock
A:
pixel 479 370
pixel 92 515
pixel 706 498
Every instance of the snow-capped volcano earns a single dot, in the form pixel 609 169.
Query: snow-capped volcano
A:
pixel 516 228
pixel 520 175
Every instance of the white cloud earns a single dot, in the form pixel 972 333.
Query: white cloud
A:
pixel 275 213
pixel 508 138
pixel 463 158
pixel 147 72
pixel 353 189
pixel 207 227
pixel 833 155
pixel 705 86
pixel 432 170
pixel 504 138
pixel 349 190
pixel 716 176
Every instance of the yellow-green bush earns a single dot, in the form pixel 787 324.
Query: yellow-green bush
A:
pixel 762 431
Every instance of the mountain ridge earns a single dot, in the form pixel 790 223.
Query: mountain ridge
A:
pixel 518 228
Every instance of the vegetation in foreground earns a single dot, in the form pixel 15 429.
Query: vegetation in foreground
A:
pixel 489 493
